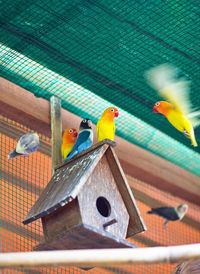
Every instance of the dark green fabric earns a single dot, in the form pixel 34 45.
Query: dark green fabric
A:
pixel 106 47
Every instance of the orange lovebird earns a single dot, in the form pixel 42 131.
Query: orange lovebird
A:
pixel 106 125
pixel 69 139
pixel 175 91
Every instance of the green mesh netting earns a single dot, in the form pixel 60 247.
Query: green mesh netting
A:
pixel 86 52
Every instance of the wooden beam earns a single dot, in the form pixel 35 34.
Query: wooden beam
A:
pixel 135 161
pixel 150 168
pixel 56 132
pixel 24 118
pixel 101 257
pixel 22 106
pixel 153 202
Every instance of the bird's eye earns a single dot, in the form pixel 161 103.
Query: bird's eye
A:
pixel 157 104
pixel 84 121
pixel 112 110
pixel 70 130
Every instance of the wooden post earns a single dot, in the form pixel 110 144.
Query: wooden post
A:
pixel 56 131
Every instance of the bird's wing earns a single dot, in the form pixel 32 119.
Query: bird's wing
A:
pixel 97 129
pixel 166 212
pixel 113 129
pixel 178 95
pixel 194 117
pixel 28 143
pixel 82 137
pixel 176 91
pixel 65 149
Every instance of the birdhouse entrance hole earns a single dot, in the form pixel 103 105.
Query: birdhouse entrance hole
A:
pixel 103 206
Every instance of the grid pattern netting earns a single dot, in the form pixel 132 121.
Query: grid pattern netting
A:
pixel 23 179
pixel 105 47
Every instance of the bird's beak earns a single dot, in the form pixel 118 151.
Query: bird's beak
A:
pixel 155 110
pixel 75 134
pixel 116 114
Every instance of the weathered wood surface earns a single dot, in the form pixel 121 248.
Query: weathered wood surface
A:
pixel 65 184
pixel 151 201
pixel 24 107
pixel 18 115
pixel 136 223
pixel 148 167
pixel 101 183
pixel 83 237
pixel 61 220
pixel 56 132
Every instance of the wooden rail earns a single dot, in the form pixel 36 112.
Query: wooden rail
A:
pixel 101 257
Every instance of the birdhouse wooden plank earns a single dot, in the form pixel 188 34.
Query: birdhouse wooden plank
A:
pixel 88 203
pixel 101 203
pixel 136 224
pixel 83 237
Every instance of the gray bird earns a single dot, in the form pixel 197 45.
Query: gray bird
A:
pixel 170 213
pixel 28 143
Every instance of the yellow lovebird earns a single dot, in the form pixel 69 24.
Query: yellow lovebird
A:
pixel 177 108
pixel 69 139
pixel 106 125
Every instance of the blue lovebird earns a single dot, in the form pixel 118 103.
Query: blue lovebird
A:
pixel 85 138
pixel 28 143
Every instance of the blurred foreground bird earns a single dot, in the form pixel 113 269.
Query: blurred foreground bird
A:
pixel 84 140
pixel 106 125
pixel 177 109
pixel 68 140
pixel 170 213
pixel 28 143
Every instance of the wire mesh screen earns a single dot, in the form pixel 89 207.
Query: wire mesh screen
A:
pixel 23 179
pixel 106 47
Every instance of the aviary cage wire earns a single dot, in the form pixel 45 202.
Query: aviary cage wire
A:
pixel 105 47
pixel 92 54
pixel 23 179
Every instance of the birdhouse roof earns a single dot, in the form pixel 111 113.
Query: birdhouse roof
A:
pixel 70 176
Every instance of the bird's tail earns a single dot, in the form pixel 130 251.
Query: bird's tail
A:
pixel 193 141
pixel 13 154
pixel 71 154
pixel 191 135
pixel 194 118
pixel 150 212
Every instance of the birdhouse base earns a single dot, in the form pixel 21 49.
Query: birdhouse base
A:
pixel 84 237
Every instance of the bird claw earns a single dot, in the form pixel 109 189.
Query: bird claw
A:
pixel 187 135
pixel 165 224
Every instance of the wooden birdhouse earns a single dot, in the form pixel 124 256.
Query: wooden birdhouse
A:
pixel 88 203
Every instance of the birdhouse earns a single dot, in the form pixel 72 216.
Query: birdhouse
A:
pixel 87 203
